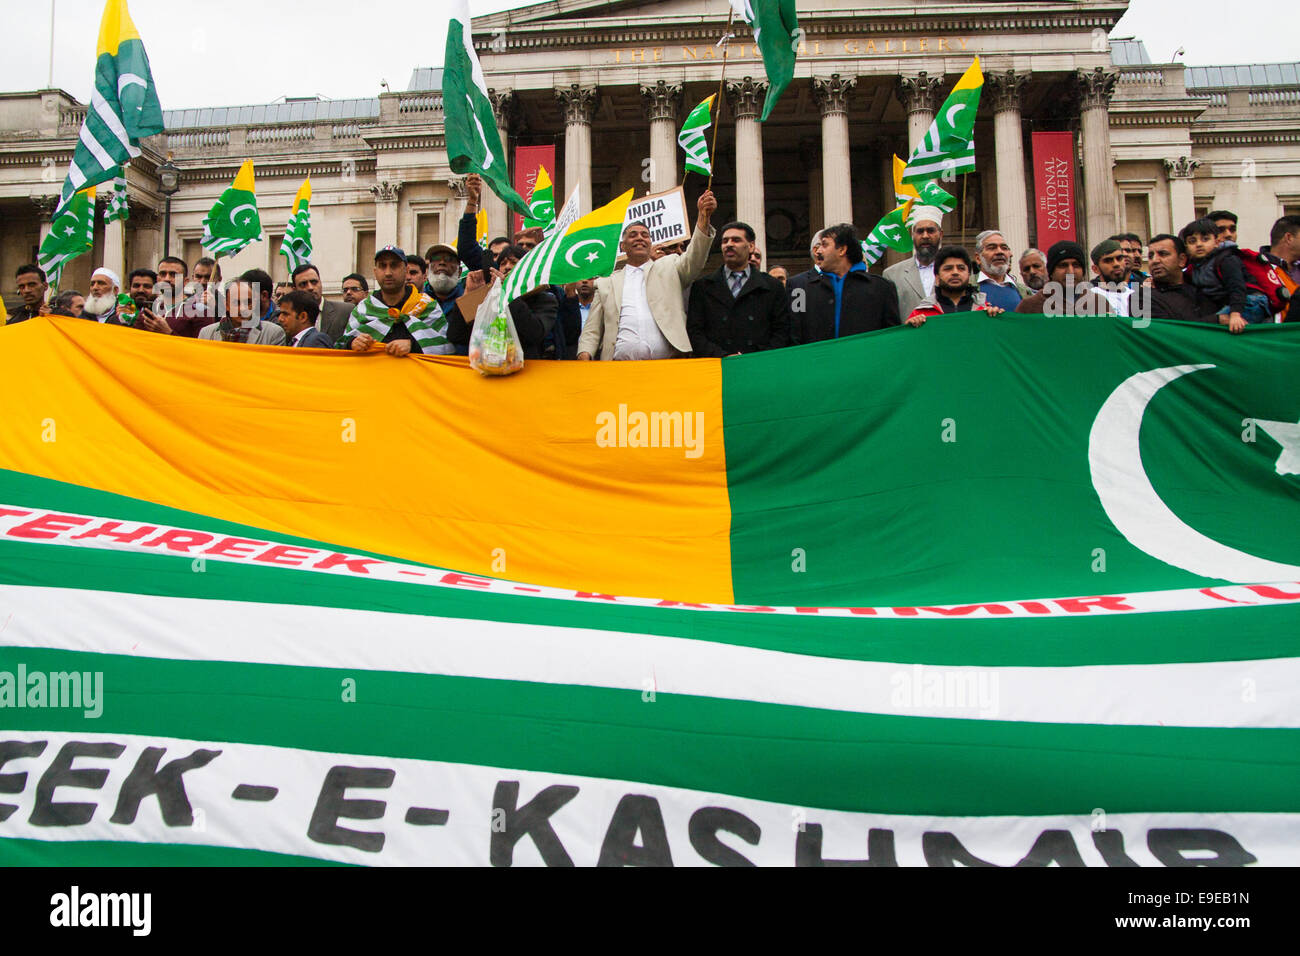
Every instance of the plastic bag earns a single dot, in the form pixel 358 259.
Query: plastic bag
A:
pixel 494 347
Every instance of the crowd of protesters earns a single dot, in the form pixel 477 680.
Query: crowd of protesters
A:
pixel 660 303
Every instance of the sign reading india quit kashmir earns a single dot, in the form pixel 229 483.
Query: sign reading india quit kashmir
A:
pixel 1054 187
pixel 664 214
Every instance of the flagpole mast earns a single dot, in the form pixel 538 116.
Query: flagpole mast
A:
pixel 50 84
pixel 713 150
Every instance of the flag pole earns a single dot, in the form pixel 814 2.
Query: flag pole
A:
pixel 713 150
pixel 50 84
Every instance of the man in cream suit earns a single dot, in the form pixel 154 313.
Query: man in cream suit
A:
pixel 914 276
pixel 637 312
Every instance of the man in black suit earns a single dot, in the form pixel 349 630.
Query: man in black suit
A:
pixel 298 312
pixel 739 308
pixel 845 299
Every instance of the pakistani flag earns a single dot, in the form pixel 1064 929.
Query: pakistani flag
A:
pixel 890 233
pixel 948 146
pixel 233 222
pixel 296 247
pixel 123 104
pixel 777 35
pixel 71 234
pixel 932 194
pixel 118 206
pixel 473 144
pixel 541 204
pixel 577 248
pixel 693 138
pixel 1081 650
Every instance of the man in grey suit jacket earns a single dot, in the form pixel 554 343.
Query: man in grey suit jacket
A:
pixel 914 276
pixel 649 321
pixel 333 318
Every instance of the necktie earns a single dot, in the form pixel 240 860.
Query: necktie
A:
pixel 737 280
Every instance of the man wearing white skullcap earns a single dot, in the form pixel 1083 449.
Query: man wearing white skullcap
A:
pixel 914 276
pixel 101 304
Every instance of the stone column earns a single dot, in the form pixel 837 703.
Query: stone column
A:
pixel 661 102
pixel 919 95
pixel 837 182
pixel 808 150
pixel 1182 193
pixel 746 99
pixel 45 206
pixel 147 230
pixel 449 221
pixel 114 244
pixel 1009 161
pixel 503 103
pixel 578 104
pixel 1095 89
pixel 386 193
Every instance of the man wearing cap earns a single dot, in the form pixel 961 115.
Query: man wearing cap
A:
pixel 1110 265
pixel 397 314
pixel 914 276
pixel 101 304
pixel 1067 291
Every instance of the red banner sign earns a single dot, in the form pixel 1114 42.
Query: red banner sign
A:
pixel 527 159
pixel 1054 187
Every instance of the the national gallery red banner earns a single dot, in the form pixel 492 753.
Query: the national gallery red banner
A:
pixel 1054 187
pixel 527 159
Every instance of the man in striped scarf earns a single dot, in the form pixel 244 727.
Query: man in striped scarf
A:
pixel 398 315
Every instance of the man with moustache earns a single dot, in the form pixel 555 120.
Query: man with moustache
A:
pixel 1033 270
pixel 913 278
pixel 994 260
pixel 738 309
pixel 1170 296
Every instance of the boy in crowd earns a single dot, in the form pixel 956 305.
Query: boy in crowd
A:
pixel 1215 270
pixel 953 291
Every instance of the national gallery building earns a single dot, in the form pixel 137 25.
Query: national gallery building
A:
pixel 607 83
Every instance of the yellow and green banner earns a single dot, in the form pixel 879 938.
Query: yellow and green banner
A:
pixel 995 591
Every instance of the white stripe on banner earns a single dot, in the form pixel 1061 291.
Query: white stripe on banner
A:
pixel 1249 693
pixel 88 139
pixel 111 119
pixel 433 813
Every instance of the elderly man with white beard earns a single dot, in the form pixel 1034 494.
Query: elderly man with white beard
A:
pixel 994 256
pixel 101 304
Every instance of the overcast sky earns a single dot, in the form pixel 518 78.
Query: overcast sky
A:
pixel 350 46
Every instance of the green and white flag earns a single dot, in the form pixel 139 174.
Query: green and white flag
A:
pixel 118 208
pixel 296 247
pixel 948 147
pixel 777 36
pixel 932 194
pixel 233 222
pixel 693 138
pixel 541 204
pixel 890 233
pixel 124 105
pixel 473 144
pixel 576 249
pixel 71 234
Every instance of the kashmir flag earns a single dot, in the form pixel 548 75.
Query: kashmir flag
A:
pixel 777 36
pixel 473 143
pixel 541 204
pixel 693 138
pixel 124 105
pixel 891 232
pixel 1079 652
pixel 71 234
pixel 296 247
pixel 948 146
pixel 118 205
pixel 577 248
pixel 233 222
pixel 481 228
pixel 903 192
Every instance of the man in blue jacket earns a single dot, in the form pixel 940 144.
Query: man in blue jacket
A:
pixel 845 299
